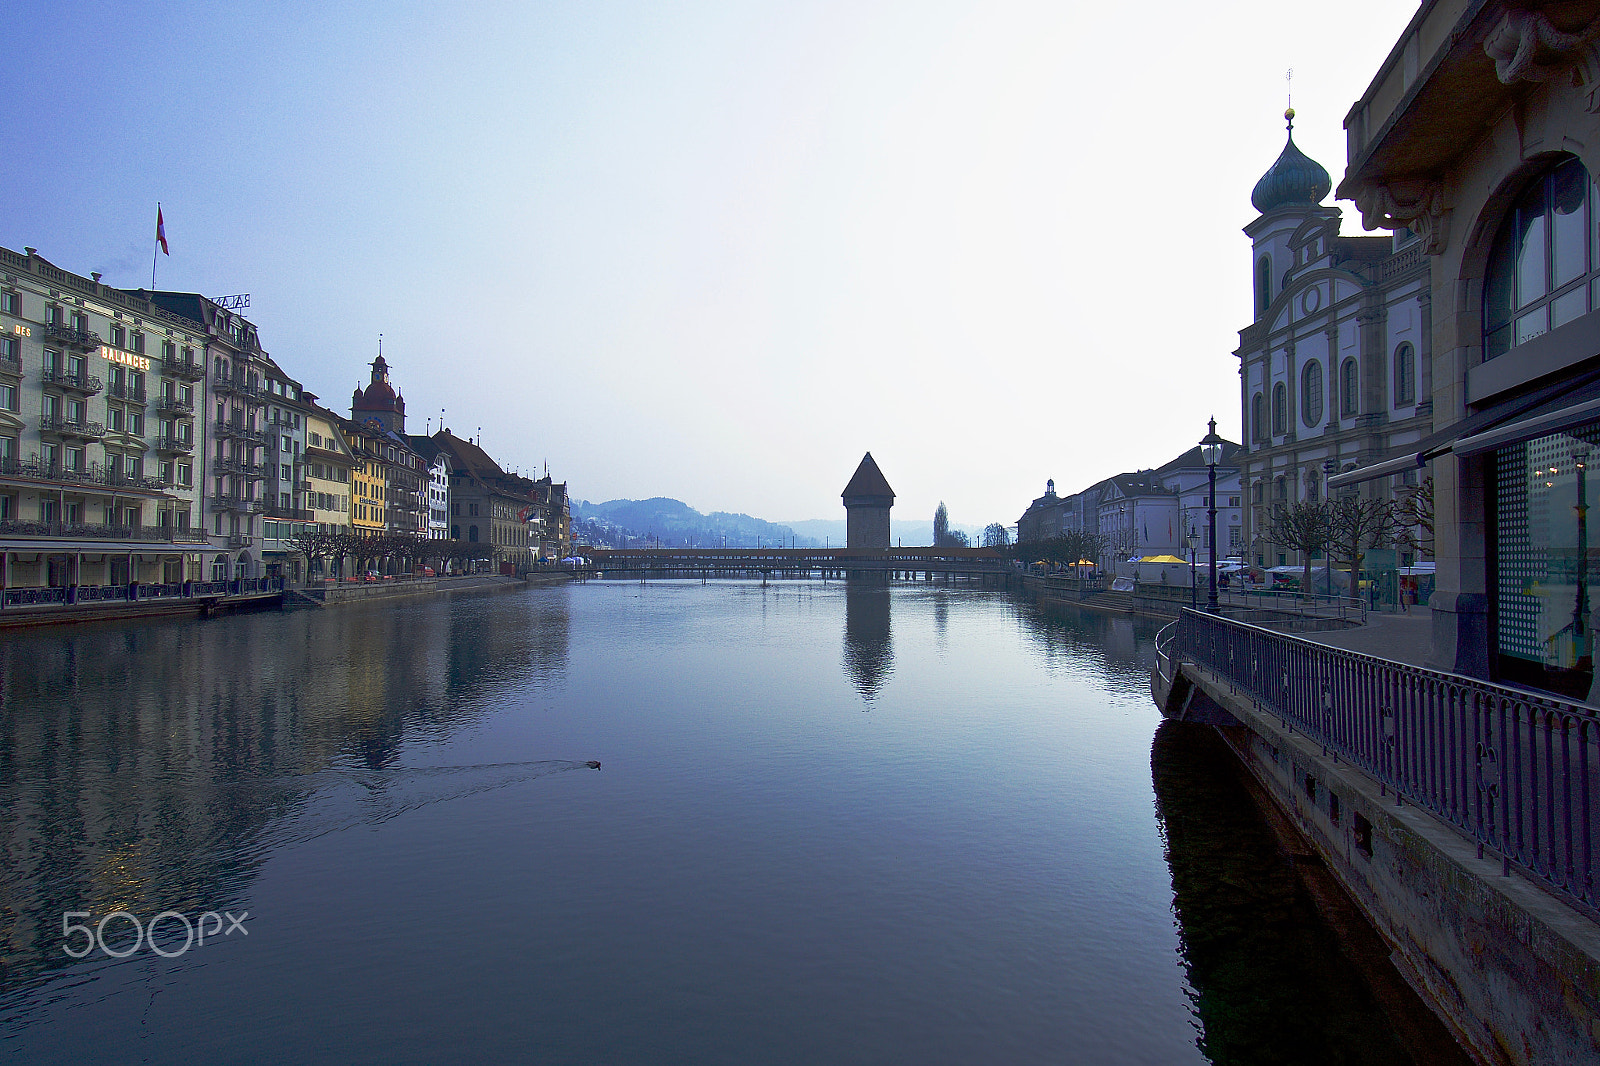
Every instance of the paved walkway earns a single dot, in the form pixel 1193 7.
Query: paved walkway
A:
pixel 1402 638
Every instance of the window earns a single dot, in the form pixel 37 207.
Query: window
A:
pixel 113 418
pixel 1405 375
pixel 1311 393
pixel 136 423
pixel 11 302
pixel 168 350
pixel 1263 284
pixel 1280 409
pixel 119 337
pixel 53 315
pixel 1350 388
pixel 138 341
pixel 1543 263
pixel 8 397
pixel 1258 418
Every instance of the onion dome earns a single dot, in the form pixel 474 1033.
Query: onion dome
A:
pixel 1294 180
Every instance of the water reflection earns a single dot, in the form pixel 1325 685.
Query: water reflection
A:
pixel 150 766
pixel 868 643
pixel 1270 980
pixel 1114 650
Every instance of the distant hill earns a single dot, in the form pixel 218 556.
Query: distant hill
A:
pixel 620 523
pixel 910 533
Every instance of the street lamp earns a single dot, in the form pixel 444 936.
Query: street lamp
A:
pixel 1211 453
pixel 1193 537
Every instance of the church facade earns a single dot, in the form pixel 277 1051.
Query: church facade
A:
pixel 1336 370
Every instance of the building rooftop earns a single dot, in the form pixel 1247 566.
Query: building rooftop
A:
pixel 868 480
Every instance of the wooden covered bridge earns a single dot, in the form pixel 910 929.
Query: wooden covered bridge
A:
pixel 968 565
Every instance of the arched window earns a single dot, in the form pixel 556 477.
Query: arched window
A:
pixel 1311 393
pixel 472 534
pixel 1281 487
pixel 1405 375
pixel 1263 284
pixel 1350 388
pixel 1258 417
pixel 1542 260
pixel 1280 409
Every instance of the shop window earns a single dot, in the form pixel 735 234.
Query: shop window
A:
pixel 1543 265
pixel 1546 560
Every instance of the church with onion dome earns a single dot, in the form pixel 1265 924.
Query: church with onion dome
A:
pixel 1335 370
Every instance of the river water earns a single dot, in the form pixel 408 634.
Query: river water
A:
pixel 831 824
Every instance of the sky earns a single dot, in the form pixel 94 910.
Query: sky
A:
pixel 711 251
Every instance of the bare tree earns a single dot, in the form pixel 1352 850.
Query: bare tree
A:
pixel 1414 513
pixel 1359 524
pixel 1305 526
pixel 995 535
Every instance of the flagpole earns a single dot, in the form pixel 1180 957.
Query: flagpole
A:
pixel 155 249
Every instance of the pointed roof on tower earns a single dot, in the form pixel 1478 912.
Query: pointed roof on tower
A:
pixel 868 480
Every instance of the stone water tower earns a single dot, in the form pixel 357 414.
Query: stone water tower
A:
pixel 867 500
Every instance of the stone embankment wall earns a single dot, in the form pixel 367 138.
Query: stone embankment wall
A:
pixel 1513 970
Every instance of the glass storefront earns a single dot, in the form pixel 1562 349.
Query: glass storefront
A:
pixel 1546 560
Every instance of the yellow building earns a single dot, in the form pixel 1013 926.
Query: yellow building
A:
pixel 327 468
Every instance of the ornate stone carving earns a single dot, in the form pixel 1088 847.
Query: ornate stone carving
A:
pixel 1414 203
pixel 1526 47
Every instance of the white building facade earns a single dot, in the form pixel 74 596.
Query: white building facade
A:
pixel 1335 372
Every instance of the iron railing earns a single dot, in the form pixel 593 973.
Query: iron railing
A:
pixel 72 337
pixel 12 527
pixel 1517 771
pixel 183 369
pixel 66 596
pixel 66 379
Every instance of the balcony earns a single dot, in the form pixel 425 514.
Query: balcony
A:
pixel 229 431
pixel 228 464
pixel 174 445
pixel 175 405
pixel 183 370
pixel 38 469
pixel 77 339
pixel 226 386
pixel 290 514
pixel 65 379
pixel 238 503
pixel 11 365
pixel 123 391
pixel 75 530
pixel 240 540
pixel 60 427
